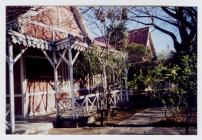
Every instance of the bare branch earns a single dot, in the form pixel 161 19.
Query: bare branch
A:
pixel 140 22
pixel 177 16
pixel 169 12
pixel 148 15
pixel 86 10
pixel 95 23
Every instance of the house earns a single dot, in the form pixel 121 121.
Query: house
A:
pixel 143 37
pixel 42 44
pixel 140 36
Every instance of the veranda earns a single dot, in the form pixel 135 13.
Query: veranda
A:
pixel 58 58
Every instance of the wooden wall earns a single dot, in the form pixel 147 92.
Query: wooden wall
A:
pixel 39 90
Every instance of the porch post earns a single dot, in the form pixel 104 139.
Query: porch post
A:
pixel 56 83
pixel 24 111
pixel 71 81
pixel 11 89
pixel 105 77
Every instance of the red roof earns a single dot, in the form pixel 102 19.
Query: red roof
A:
pixel 139 36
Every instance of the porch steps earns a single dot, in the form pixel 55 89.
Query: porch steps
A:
pixel 27 128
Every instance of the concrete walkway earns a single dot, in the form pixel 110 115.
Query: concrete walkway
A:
pixel 146 117
pixel 143 123
pixel 138 124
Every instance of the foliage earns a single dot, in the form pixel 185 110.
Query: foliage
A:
pixel 93 61
pixel 116 33
pixel 110 13
pixel 136 48
pixel 138 82
pixel 108 22
pixel 174 83
pixel 174 80
pixel 136 52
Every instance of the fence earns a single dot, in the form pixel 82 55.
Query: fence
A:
pixel 87 104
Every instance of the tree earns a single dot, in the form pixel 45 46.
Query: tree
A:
pixel 182 19
pixel 176 86
pixel 107 22
pixel 180 23
pixel 136 52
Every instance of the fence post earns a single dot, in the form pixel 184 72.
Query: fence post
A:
pixel 86 100
pixel 127 99
pixel 121 94
pixel 97 97
pixel 114 94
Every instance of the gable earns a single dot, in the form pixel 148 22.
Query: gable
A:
pixel 139 36
pixel 51 23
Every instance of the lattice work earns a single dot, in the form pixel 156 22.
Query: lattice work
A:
pixel 93 102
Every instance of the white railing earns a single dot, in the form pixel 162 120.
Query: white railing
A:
pixel 91 103
pixel 85 104
pixel 8 125
pixel 118 96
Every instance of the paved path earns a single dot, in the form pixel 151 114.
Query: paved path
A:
pixel 146 117
pixel 139 124
pixel 143 123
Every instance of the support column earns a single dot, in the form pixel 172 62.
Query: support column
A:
pixel 86 101
pixel 71 82
pixel 11 89
pixel 115 94
pixel 22 87
pixel 56 83
pixel 105 78
pixel 126 79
